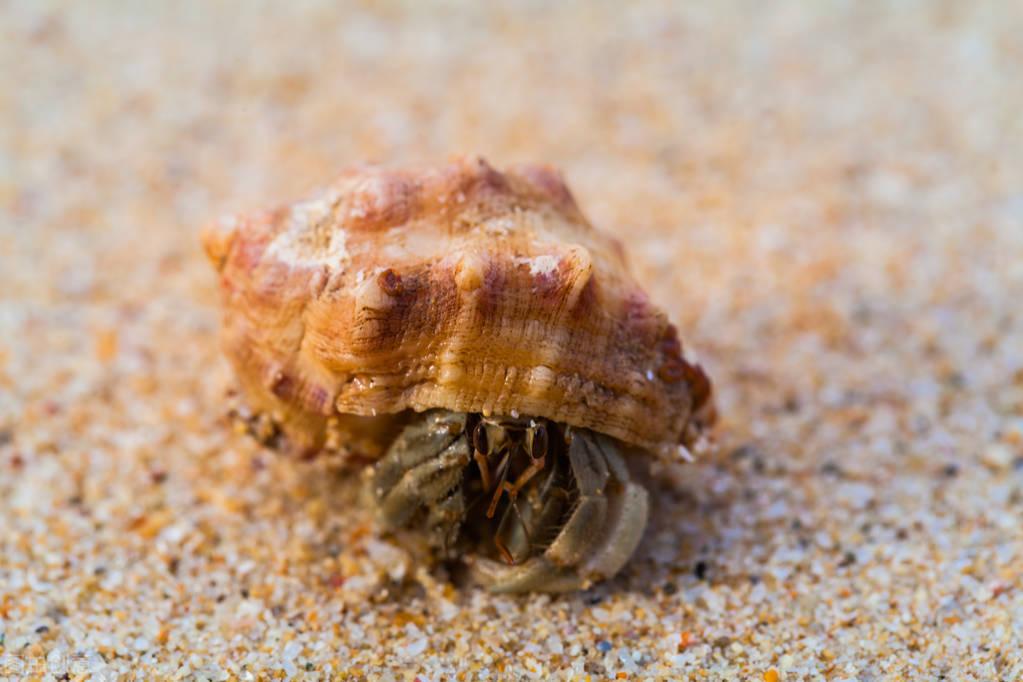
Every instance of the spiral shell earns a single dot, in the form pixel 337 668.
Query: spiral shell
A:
pixel 453 286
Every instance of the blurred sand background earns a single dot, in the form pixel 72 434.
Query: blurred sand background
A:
pixel 826 197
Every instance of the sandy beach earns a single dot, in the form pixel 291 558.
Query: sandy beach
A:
pixel 826 198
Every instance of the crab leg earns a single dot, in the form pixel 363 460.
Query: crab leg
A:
pixel 587 519
pixel 421 472
pixel 425 484
pixel 417 443
pixel 628 513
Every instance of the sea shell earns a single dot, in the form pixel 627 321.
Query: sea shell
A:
pixel 452 286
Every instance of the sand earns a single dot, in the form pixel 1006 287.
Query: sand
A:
pixel 826 197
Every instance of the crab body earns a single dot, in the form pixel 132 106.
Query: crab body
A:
pixel 473 331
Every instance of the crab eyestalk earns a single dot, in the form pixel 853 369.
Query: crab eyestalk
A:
pixel 532 505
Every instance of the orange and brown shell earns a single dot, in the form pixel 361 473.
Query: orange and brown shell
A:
pixel 454 286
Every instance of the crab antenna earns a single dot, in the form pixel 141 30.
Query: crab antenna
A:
pixel 502 475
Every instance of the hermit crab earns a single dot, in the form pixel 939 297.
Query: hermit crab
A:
pixel 469 331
